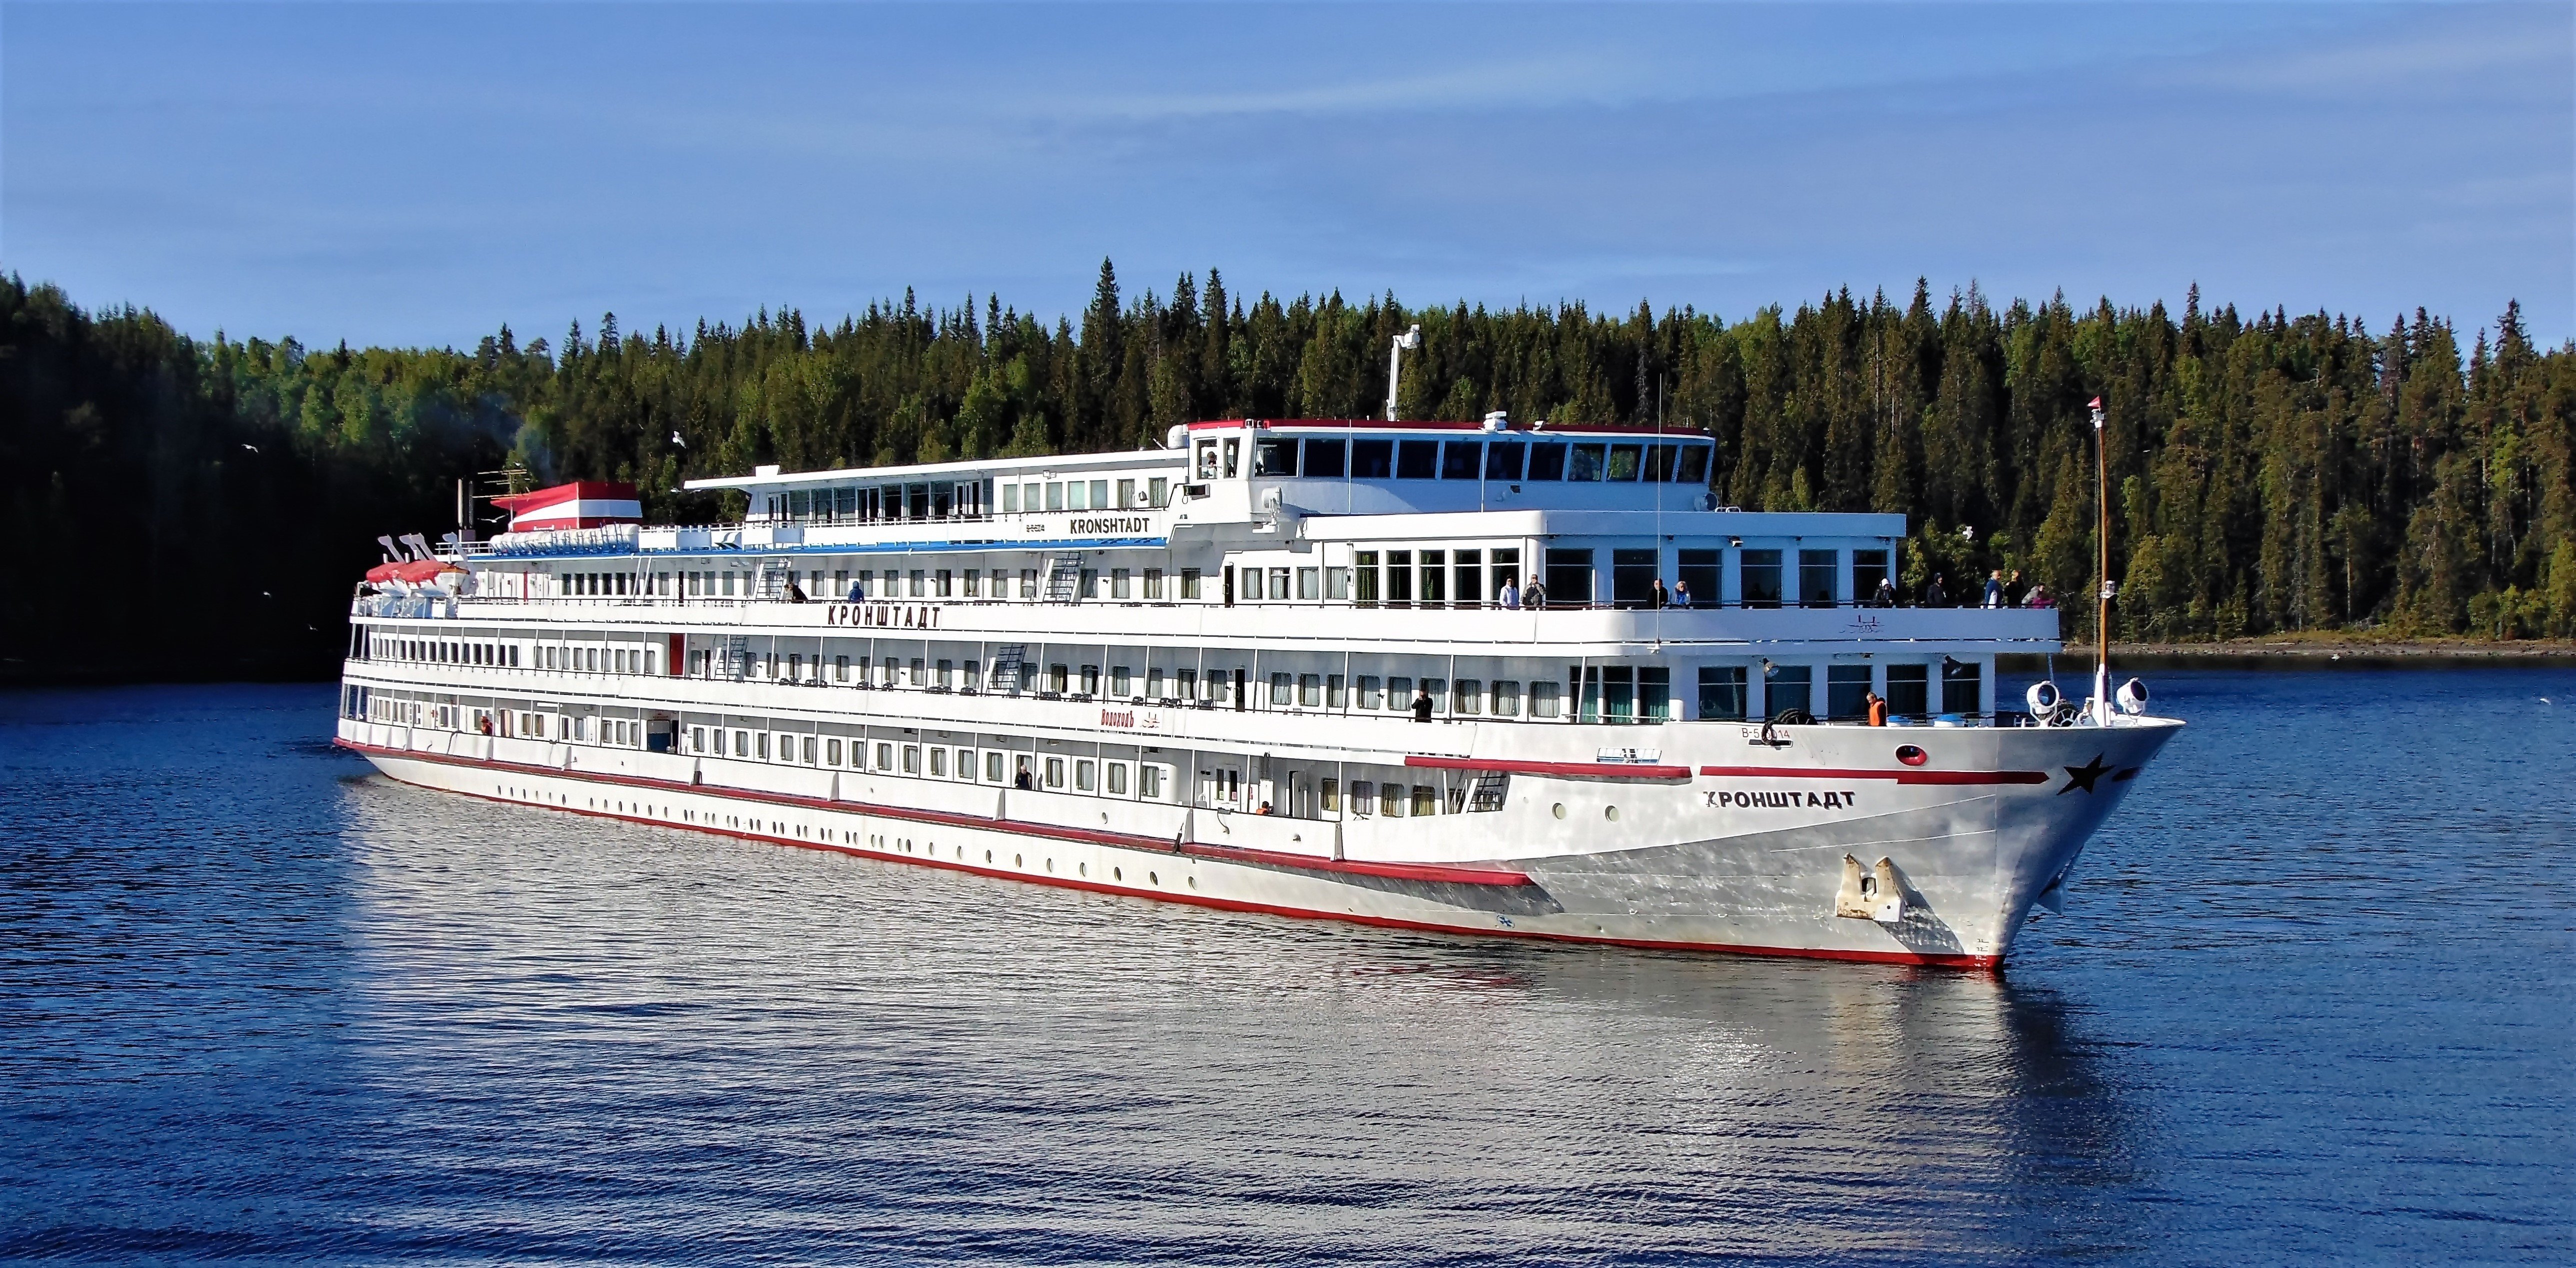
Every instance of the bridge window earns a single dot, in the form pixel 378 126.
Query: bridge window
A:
pixel 1271 457
pixel 1960 686
pixel 1721 692
pixel 1869 567
pixel 1846 691
pixel 1694 465
pixel 1417 459
pixel 1324 458
pixel 1625 462
pixel 1503 459
pixel 1569 578
pixel 1372 459
pixel 1632 578
pixel 1587 463
pixel 1462 460
pixel 1909 693
pixel 1697 574
pixel 1816 569
pixel 1760 581
pixel 1547 462
pixel 1786 687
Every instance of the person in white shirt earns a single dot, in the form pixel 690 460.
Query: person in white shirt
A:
pixel 1511 595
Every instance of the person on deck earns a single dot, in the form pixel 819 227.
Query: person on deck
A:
pixel 1422 704
pixel 795 592
pixel 1265 809
pixel 1681 594
pixel 2013 589
pixel 1886 596
pixel 1933 595
pixel 2039 597
pixel 1659 597
pixel 1022 780
pixel 1877 708
pixel 1994 589
pixel 1533 595
pixel 1511 595
pixel 859 589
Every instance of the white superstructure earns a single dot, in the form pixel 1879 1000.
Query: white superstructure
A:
pixel 1202 673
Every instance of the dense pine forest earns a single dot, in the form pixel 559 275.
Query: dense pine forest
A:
pixel 201 507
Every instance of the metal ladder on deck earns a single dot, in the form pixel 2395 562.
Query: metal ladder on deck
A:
pixel 1487 792
pixel 774 576
pixel 736 653
pixel 1007 663
pixel 1064 578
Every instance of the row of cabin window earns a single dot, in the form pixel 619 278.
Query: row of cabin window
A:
pixel 969 499
pixel 1150 584
pixel 1394 578
pixel 1086 495
pixel 1510 461
pixel 1476 578
pixel 1607 693
pixel 1051 772
pixel 610 585
pixel 1700 576
pixel 1467 696
pixel 1840 693
pixel 1146 781
pixel 595 659
pixel 431 651
pixel 571 728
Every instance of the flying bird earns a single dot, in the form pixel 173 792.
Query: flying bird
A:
pixel 251 447
pixel 675 439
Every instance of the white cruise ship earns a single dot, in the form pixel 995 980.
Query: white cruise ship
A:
pixel 1496 679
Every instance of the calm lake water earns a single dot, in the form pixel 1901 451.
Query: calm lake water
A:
pixel 2310 1001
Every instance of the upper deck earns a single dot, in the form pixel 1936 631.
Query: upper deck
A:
pixel 1356 530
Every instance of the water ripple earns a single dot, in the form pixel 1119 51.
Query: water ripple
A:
pixel 260 1005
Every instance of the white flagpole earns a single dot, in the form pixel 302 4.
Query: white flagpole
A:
pixel 2102 602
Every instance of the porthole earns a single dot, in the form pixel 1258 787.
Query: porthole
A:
pixel 988 856
pixel 1117 873
pixel 1082 869
pixel 1050 865
pixel 1558 810
pixel 1194 882
pixel 1610 813
pixel 1152 879
pixel 1911 755
pixel 1015 861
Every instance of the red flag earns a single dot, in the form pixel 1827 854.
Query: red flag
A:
pixel 2097 402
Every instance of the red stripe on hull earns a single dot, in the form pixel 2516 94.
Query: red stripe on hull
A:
pixel 1980 963
pixel 1900 776
pixel 1397 871
pixel 1578 770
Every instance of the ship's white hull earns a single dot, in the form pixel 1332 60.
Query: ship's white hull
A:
pixel 1753 848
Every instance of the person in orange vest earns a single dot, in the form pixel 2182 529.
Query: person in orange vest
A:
pixel 1877 708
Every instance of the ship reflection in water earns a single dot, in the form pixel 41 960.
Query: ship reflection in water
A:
pixel 791 1049
pixel 255 1005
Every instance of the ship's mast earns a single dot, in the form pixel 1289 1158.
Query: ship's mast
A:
pixel 2102 597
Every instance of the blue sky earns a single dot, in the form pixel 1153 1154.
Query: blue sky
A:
pixel 419 174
